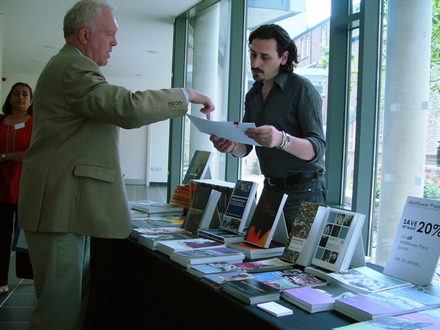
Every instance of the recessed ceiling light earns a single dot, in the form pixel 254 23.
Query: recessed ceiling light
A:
pixel 50 47
pixel 151 52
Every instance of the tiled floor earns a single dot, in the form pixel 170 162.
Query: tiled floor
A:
pixel 16 307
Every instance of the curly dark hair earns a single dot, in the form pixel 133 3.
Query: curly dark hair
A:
pixel 284 42
pixel 7 107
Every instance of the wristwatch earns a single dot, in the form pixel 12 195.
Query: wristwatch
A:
pixel 3 156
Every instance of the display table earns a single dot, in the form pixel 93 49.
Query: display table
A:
pixel 136 288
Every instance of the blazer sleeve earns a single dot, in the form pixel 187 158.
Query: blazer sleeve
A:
pixel 89 94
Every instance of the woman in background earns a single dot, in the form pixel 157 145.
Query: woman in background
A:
pixel 15 136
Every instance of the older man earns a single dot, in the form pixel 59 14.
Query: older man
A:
pixel 72 187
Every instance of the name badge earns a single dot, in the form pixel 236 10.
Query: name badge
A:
pixel 18 126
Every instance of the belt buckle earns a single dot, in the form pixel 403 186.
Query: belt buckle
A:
pixel 270 183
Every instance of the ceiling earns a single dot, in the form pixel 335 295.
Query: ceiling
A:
pixel 32 33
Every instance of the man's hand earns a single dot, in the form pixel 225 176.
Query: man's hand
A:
pixel 222 145
pixel 267 135
pixel 197 97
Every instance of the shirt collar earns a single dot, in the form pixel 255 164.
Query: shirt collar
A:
pixel 280 80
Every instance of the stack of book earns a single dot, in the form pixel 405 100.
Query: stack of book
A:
pixel 249 267
pixel 138 231
pixel 254 252
pixel 205 255
pixel 426 320
pixel 154 208
pixel 316 299
pixel 251 291
pixel 386 303
pixel 168 247
pixel 288 279
pixel 181 197
pixel 365 280
pixel 150 241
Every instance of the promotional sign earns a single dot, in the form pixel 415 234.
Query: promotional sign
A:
pixel 416 246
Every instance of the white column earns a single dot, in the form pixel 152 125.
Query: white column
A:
pixel 205 76
pixel 408 49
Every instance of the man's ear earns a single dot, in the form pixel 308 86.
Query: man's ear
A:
pixel 83 36
pixel 284 57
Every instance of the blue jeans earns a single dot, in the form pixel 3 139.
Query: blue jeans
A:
pixel 307 190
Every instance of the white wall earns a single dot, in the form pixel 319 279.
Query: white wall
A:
pixel 143 159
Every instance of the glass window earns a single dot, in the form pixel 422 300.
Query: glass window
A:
pixel 307 22
pixel 207 70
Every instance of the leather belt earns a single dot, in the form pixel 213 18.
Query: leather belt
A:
pixel 296 178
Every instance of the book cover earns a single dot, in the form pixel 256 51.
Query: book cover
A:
pixel 217 280
pixel 424 320
pixel 366 280
pixel 169 247
pixel 224 187
pixel 201 256
pixel 316 299
pixel 221 235
pixel 338 241
pixel 201 209
pixel 265 219
pixel 283 280
pixel 155 223
pixel 198 166
pixel 212 268
pixel 415 251
pixel 303 236
pixel 385 303
pixel 251 291
pixel 150 241
pixel 272 264
pixel 254 252
pixel 157 208
pixel 136 232
pixel 240 207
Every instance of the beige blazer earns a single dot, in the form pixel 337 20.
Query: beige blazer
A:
pixel 71 180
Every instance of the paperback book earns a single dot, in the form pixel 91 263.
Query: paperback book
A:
pixel 273 264
pixel 251 291
pixel 304 234
pixel 201 209
pixel 136 232
pixel 386 303
pixel 423 320
pixel 168 247
pixel 181 197
pixel 157 208
pixel 151 241
pixel 203 256
pixel 155 223
pixel 217 280
pixel 365 280
pixel 221 235
pixel 213 268
pixel 198 167
pixel 316 299
pixel 266 265
pixel 289 279
pixel 254 252
pixel 240 207
pixel 338 241
pixel 264 221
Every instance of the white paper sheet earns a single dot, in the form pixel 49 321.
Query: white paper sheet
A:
pixel 233 131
